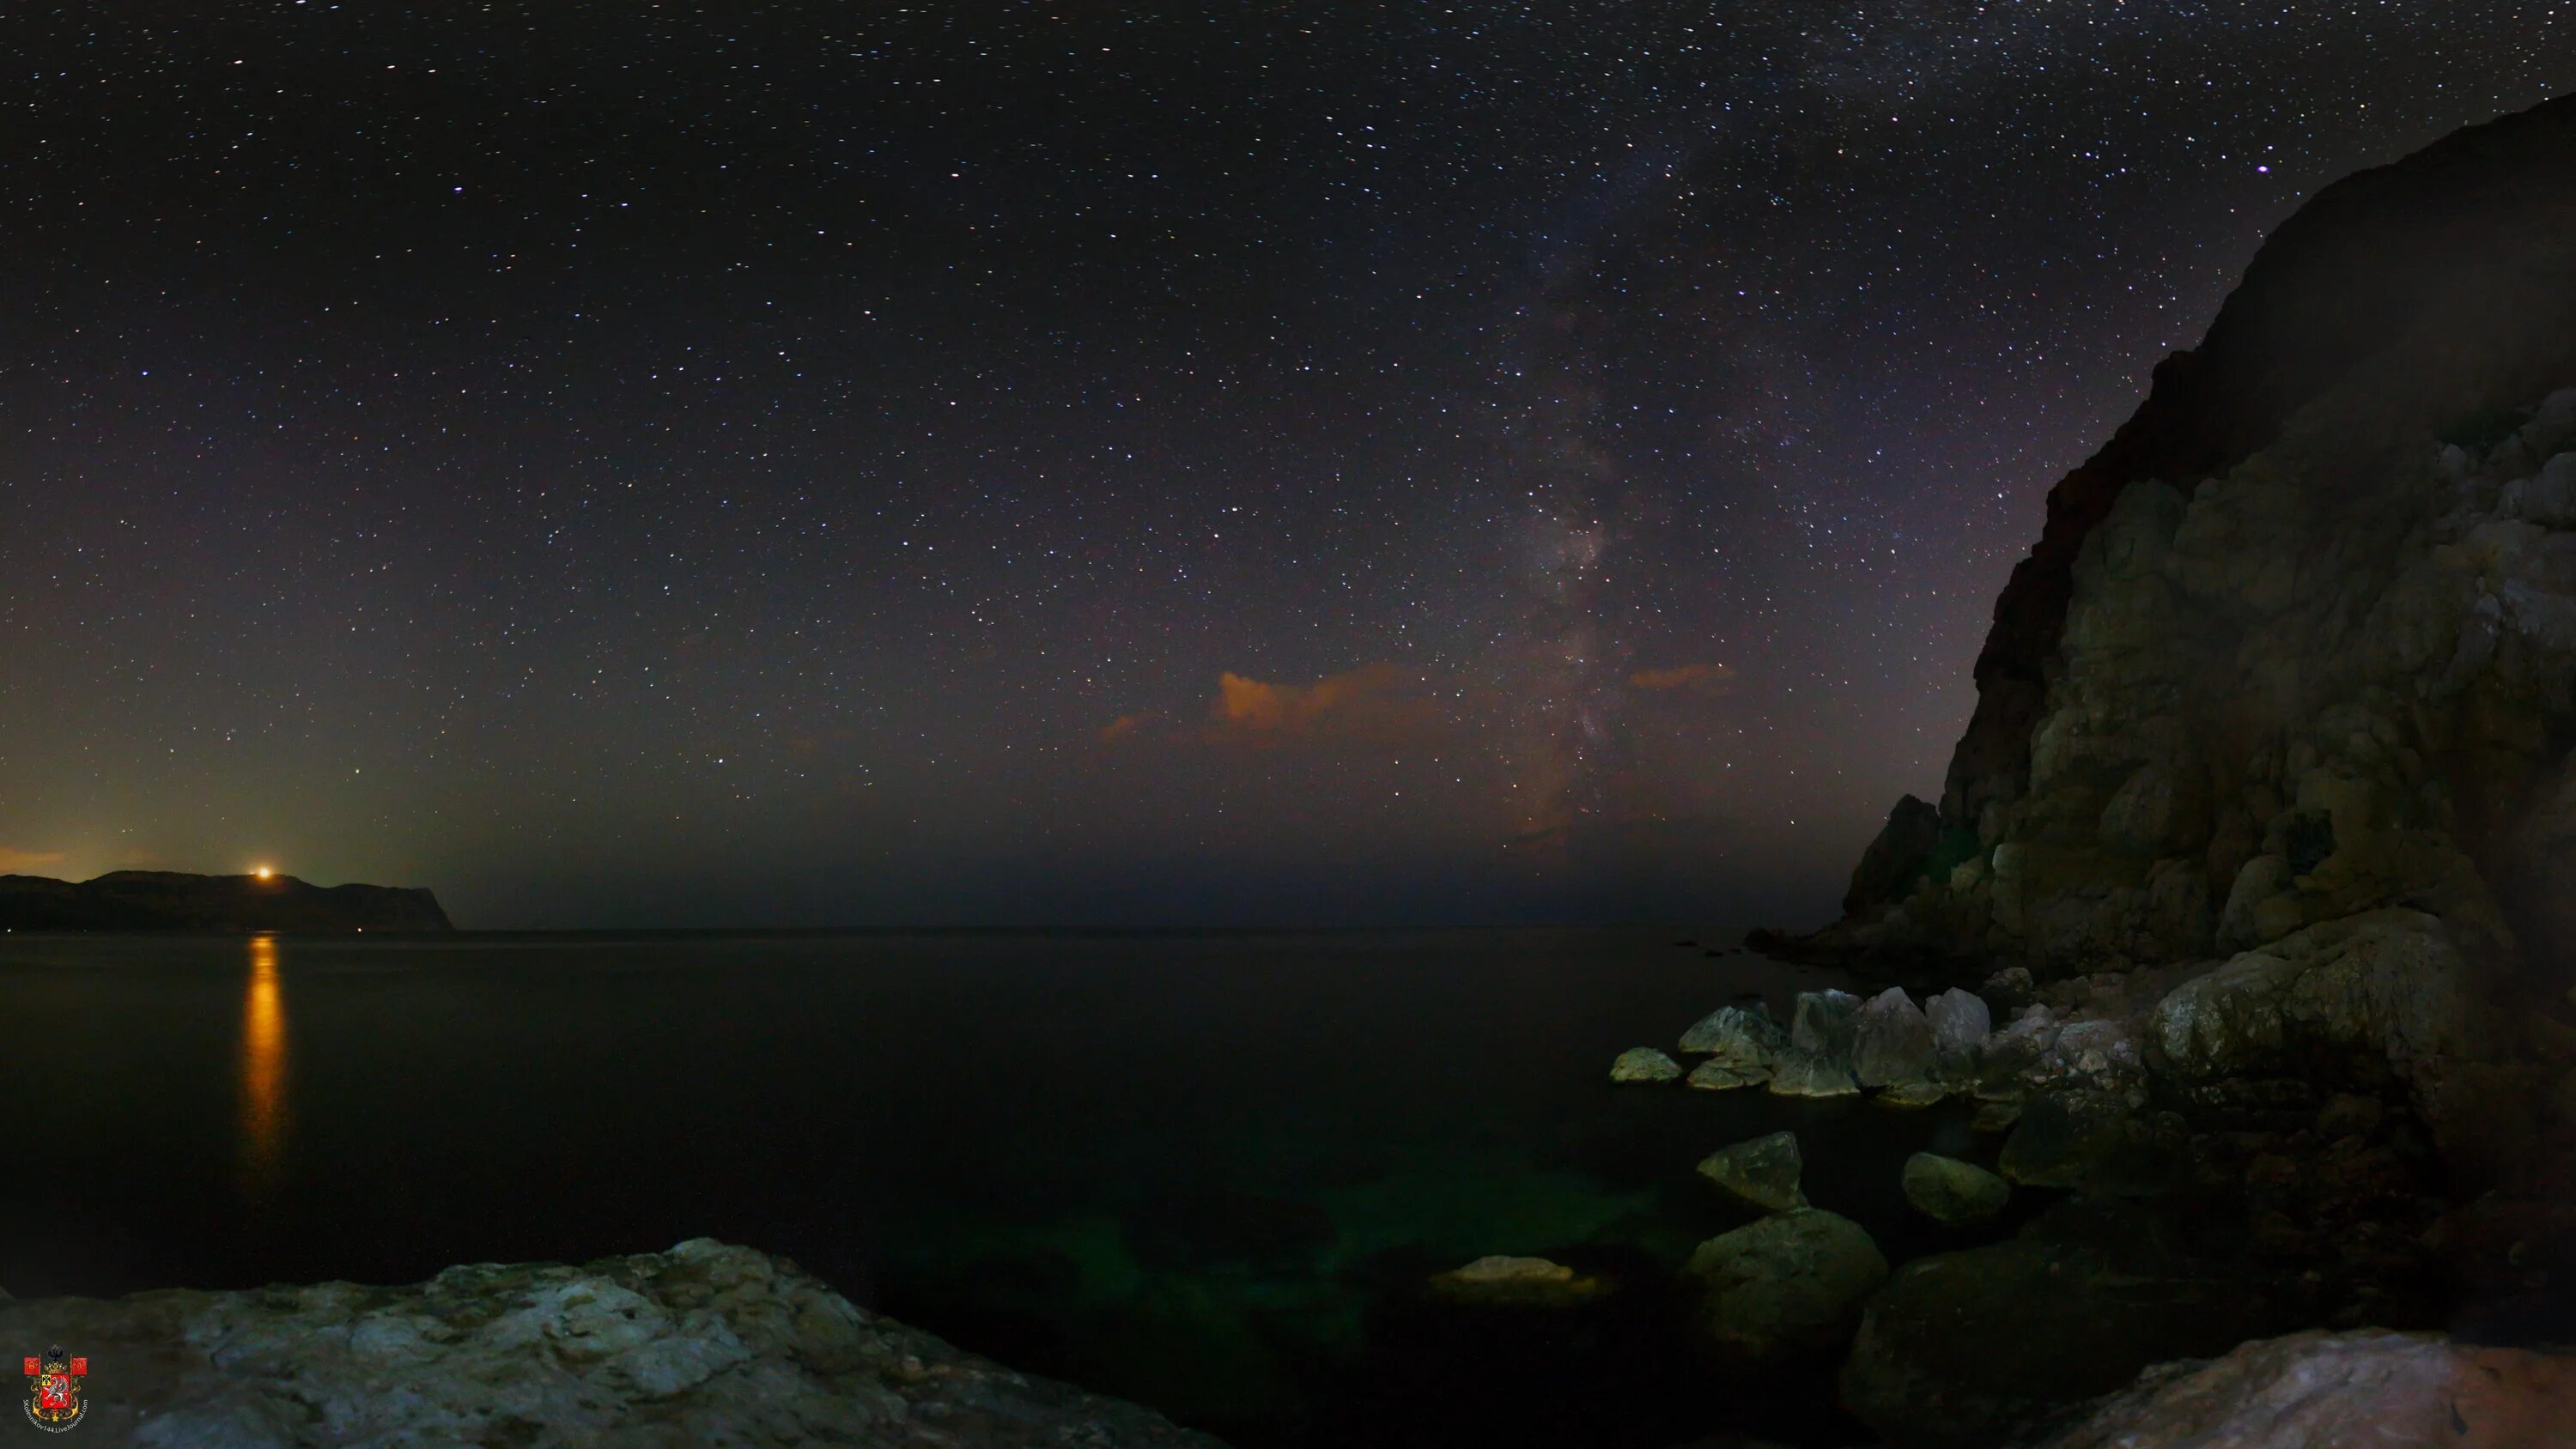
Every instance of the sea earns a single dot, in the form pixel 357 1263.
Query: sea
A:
pixel 1210 1172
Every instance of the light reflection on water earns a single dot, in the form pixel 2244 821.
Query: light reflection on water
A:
pixel 263 1072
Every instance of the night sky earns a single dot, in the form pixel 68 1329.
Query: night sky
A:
pixel 1007 463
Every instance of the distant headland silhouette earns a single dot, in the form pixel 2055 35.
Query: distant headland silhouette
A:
pixel 153 900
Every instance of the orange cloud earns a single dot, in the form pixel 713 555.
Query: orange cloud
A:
pixel 1121 727
pixel 1695 677
pixel 1375 704
pixel 14 861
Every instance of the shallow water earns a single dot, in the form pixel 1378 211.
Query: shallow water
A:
pixel 1205 1171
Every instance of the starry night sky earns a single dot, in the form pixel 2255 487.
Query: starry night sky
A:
pixel 1082 463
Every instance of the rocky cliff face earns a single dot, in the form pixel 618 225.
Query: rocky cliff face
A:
pixel 2299 646
pixel 151 900
pixel 2262 839
pixel 705 1345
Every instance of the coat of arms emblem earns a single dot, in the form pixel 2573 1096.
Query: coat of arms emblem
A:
pixel 54 1400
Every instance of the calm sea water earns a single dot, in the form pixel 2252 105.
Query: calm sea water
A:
pixel 1209 1172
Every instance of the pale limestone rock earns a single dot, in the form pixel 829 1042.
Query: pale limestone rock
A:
pixel 703 1345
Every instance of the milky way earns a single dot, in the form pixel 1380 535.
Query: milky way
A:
pixel 1079 463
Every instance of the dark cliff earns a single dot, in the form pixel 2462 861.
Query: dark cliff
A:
pixel 141 900
pixel 2430 301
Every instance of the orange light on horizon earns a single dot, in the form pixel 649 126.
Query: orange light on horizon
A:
pixel 263 872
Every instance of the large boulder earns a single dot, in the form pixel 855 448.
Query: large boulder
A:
pixel 705 1344
pixel 1891 1040
pixel 2386 993
pixel 1823 1023
pixel 1744 1038
pixel 1972 1349
pixel 1947 1190
pixel 1762 1173
pixel 1787 1286
pixel 2368 1390
pixel 1808 1074
pixel 1961 1022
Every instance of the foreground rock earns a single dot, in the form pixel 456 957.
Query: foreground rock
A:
pixel 2369 1390
pixel 1762 1173
pixel 705 1345
pixel 1644 1064
pixel 1974 1349
pixel 1947 1190
pixel 1784 1287
pixel 1506 1282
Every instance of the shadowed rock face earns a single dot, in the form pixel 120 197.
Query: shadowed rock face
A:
pixel 2446 274
pixel 705 1345
pixel 2291 675
pixel 145 900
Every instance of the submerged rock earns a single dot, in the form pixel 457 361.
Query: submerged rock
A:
pixel 1805 1074
pixel 1644 1064
pixel 2344 1391
pixel 703 1345
pixel 1762 1173
pixel 1745 1038
pixel 1500 1282
pixel 1891 1040
pixel 1788 1285
pixel 1947 1190
pixel 1971 1349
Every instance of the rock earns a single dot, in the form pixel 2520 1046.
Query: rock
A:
pixel 2092 1141
pixel 2360 1390
pixel 1947 1190
pixel 1644 1064
pixel 1919 1092
pixel 1805 1074
pixel 1783 1287
pixel 2010 989
pixel 1762 1173
pixel 1505 1282
pixel 1995 1117
pixel 1739 1037
pixel 1960 1025
pixel 705 1344
pixel 1715 1076
pixel 1891 1040
pixel 1896 858
pixel 1970 1350
pixel 1823 1024
pixel 2379 986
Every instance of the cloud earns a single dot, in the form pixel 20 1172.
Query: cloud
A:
pixel 1374 704
pixel 14 862
pixel 1696 678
